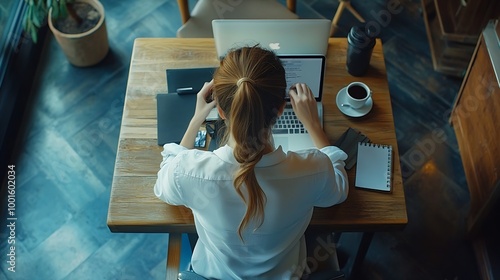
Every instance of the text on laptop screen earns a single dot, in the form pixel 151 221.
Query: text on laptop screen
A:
pixel 304 69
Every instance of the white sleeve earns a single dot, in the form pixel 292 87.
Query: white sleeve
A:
pixel 170 151
pixel 338 186
pixel 165 188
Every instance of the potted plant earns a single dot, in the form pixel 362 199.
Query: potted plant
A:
pixel 77 25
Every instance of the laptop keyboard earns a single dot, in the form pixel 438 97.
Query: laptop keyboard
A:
pixel 288 123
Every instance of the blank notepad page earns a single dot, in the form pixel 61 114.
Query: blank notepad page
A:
pixel 374 164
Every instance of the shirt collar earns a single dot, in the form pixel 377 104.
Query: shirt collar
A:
pixel 225 153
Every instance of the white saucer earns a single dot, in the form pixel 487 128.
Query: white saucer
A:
pixel 356 113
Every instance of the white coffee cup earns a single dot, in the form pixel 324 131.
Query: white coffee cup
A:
pixel 357 94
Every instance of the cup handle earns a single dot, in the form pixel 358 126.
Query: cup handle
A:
pixel 369 94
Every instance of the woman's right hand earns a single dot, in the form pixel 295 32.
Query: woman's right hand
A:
pixel 305 107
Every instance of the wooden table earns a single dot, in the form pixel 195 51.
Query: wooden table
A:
pixel 133 206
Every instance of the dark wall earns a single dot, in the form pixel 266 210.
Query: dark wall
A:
pixel 18 66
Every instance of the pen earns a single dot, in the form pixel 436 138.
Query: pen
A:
pixel 185 90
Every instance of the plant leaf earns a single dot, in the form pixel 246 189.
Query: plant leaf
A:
pixel 55 11
pixel 44 7
pixel 34 34
pixel 29 12
pixel 63 9
pixel 25 21
pixel 37 18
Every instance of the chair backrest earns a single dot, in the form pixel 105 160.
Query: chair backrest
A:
pixel 198 22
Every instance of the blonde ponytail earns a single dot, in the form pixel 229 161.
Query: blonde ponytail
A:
pixel 250 87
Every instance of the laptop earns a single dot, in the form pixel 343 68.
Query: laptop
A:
pixel 284 36
pixel 288 132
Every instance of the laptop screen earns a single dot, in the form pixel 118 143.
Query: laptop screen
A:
pixel 305 69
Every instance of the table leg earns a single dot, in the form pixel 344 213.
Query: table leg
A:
pixel 173 255
pixel 353 266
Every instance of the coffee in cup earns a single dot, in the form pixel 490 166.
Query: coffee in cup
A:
pixel 357 94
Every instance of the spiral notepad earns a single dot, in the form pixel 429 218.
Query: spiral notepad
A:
pixel 374 165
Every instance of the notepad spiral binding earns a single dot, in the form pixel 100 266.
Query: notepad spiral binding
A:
pixel 389 166
pixel 376 145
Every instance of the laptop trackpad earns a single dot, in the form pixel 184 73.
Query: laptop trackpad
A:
pixel 281 141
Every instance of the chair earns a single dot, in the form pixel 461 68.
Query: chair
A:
pixel 174 257
pixel 198 22
pixel 343 4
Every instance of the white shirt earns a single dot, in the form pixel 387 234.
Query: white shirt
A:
pixel 294 184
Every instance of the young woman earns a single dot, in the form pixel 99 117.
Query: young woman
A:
pixel 252 202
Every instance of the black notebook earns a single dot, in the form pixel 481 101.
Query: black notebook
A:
pixel 348 143
pixel 188 78
pixel 374 166
pixel 174 112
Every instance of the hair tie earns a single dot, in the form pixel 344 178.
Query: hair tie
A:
pixel 244 79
